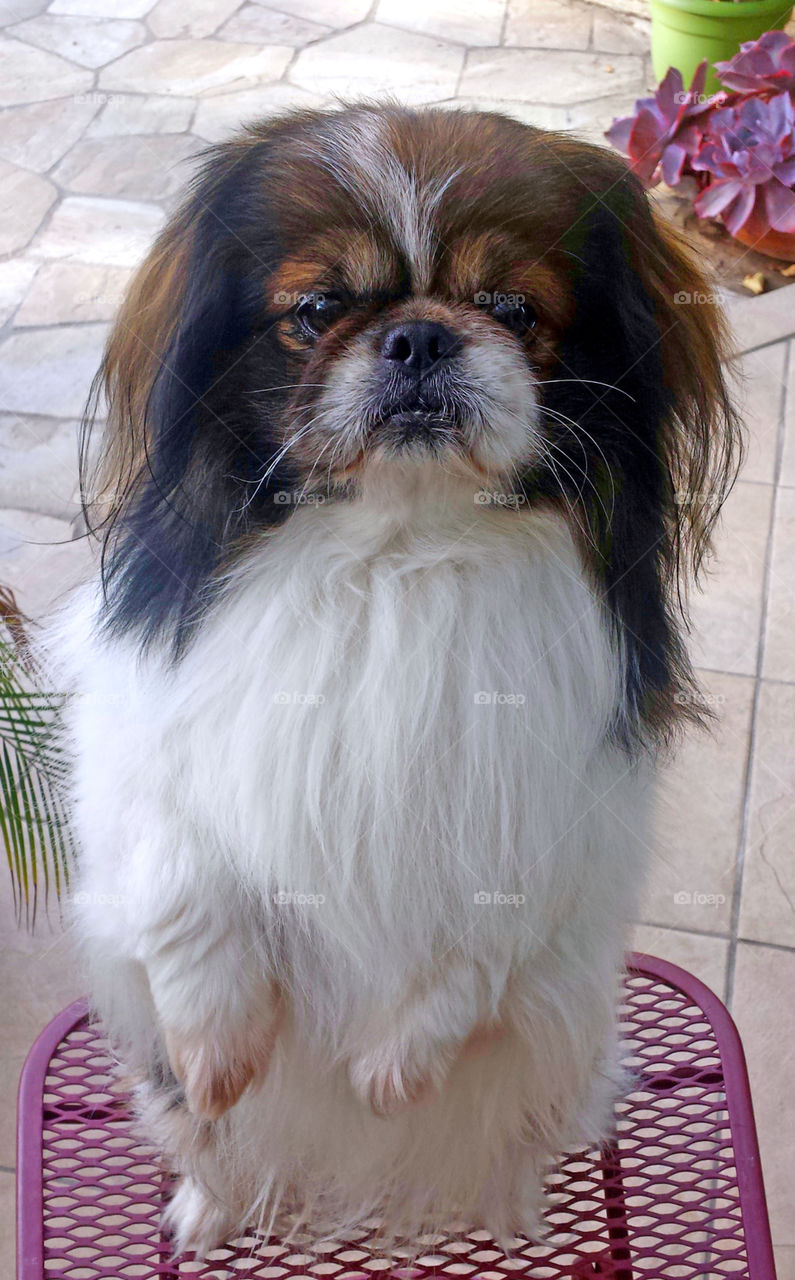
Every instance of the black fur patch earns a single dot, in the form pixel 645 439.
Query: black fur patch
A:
pixel 211 442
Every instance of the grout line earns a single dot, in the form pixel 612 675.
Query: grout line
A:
pixel 683 928
pixel 715 934
pixel 764 344
pixel 759 942
pixel 739 864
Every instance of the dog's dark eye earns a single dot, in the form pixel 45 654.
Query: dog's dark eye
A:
pixel 317 311
pixel 519 317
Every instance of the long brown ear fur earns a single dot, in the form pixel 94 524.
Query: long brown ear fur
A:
pixel 142 333
pixel 664 440
pixel 704 445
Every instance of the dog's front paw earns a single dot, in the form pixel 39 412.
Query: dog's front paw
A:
pixel 195 1220
pixel 393 1077
pixel 215 1065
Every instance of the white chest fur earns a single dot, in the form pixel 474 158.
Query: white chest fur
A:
pixel 378 723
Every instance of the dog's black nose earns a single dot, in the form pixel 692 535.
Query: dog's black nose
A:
pixel 419 345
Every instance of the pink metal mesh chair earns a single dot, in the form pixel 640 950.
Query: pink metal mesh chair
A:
pixel 678 1194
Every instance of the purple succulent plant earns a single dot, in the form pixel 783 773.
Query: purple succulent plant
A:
pixel 736 149
pixel 665 129
pixel 767 64
pixel 751 154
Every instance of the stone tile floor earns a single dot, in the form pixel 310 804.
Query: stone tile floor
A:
pixel 105 102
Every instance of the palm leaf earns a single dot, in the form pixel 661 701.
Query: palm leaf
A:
pixel 34 825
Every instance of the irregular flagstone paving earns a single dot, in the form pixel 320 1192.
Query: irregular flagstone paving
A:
pixel 104 105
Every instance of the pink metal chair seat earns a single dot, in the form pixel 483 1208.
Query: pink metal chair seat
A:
pixel 678 1195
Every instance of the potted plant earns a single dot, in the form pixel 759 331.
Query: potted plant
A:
pixel 33 819
pixel 687 32
pixel 734 151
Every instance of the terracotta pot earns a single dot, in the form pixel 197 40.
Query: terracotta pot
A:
pixel 779 244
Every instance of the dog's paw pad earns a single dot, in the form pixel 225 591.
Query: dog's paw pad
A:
pixel 195 1221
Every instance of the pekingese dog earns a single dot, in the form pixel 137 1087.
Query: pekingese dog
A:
pixel 416 426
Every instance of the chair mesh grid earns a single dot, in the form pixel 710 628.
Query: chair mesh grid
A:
pixel 663 1203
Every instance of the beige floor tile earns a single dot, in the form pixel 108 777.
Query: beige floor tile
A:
pixel 72 292
pixel 779 656
pixel 24 200
pixel 39 475
pixel 262 25
pixel 756 321
pixel 477 22
pixel 701 955
pixel 134 167
pixel 549 75
pixel 785 1261
pixel 49 371
pixel 788 457
pixel 103 8
pixel 38 975
pixel 697 818
pixel 767 910
pixel 333 13
pixel 37 135
pixel 618 33
pixel 218 116
pixel 31 75
pixel 727 613
pixel 375 61
pixel 86 42
pixel 189 18
pixel 763 1007
pixel 39 560
pixel 124 114
pixel 83 229
pixel 547 24
pixel 758 396
pixel 7 1224
pixel 188 67
pixel 540 115
pixel 15 277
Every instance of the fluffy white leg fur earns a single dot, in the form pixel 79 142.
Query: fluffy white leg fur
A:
pixel 373 813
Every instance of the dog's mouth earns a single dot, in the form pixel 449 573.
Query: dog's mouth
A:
pixel 419 420
pixel 420 428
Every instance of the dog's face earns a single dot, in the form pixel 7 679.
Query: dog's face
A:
pixel 358 290
pixel 419 298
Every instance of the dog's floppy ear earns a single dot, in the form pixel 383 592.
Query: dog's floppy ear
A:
pixel 661 437
pixel 701 436
pixel 179 459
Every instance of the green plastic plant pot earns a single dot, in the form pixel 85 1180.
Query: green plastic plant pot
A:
pixel 685 32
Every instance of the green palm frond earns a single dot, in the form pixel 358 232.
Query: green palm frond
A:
pixel 34 824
